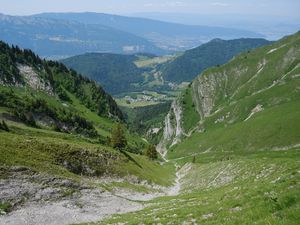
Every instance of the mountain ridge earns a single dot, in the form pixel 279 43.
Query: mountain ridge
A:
pixel 60 38
pixel 216 52
pixel 166 35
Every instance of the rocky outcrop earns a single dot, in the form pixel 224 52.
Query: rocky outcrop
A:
pixel 173 130
pixel 34 80
pixel 36 198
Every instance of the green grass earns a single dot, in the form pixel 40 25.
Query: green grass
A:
pixel 190 115
pixel 122 102
pixel 46 151
pixel 115 186
pixel 266 194
pixel 3 109
pixel 148 170
pixel 146 62
pixel 274 127
pixel 5 207
pixel 103 125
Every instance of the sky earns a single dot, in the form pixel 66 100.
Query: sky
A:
pixel 284 8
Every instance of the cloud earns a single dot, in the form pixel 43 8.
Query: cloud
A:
pixel 165 4
pixel 148 5
pixel 222 4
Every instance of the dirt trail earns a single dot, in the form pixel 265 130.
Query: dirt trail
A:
pixel 180 173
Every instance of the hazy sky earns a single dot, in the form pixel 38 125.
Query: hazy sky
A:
pixel 266 7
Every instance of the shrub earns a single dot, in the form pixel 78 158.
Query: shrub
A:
pixel 118 139
pixel 151 152
pixel 4 126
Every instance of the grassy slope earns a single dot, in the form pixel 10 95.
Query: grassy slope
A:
pixel 228 192
pixel 190 115
pixel 234 183
pixel 45 151
pixel 274 127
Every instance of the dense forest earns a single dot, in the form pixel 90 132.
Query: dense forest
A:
pixel 116 73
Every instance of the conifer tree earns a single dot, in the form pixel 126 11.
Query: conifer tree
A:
pixel 118 139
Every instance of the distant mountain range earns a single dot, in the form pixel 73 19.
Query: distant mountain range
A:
pixel 166 35
pixel 61 38
pixel 61 35
pixel 273 27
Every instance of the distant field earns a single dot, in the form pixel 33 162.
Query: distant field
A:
pixel 147 62
pixel 122 102
pixel 138 101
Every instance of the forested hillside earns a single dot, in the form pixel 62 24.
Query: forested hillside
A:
pixel 214 53
pixel 116 73
pixel 36 89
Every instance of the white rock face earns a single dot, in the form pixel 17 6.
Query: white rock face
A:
pixel 176 107
pixel 34 80
pixel 257 109
pixel 172 132
pixel 167 135
pixel 204 91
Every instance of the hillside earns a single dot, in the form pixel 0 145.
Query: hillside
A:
pixel 116 73
pixel 252 84
pixel 55 38
pixel 46 95
pixel 233 135
pixel 168 36
pixel 123 74
pixel 216 52
pixel 23 69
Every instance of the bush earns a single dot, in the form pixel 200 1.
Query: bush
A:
pixel 4 126
pixel 151 152
pixel 118 139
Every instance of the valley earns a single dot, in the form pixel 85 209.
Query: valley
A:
pixel 170 134
pixel 144 82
